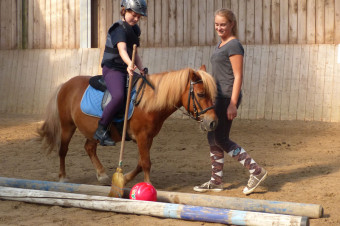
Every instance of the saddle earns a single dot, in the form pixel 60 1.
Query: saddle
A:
pixel 98 83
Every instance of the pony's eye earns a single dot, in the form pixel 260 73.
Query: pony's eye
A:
pixel 201 95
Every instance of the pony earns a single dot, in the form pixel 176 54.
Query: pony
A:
pixel 195 90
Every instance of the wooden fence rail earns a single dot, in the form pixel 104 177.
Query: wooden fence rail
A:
pixel 281 82
pixel 55 24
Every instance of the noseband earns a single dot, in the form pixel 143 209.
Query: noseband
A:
pixel 195 103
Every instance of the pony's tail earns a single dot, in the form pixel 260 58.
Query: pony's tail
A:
pixel 50 131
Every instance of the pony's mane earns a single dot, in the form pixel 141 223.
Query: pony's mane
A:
pixel 169 87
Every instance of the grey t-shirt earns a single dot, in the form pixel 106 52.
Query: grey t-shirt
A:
pixel 222 70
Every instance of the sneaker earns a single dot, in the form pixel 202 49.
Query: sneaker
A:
pixel 209 186
pixel 254 181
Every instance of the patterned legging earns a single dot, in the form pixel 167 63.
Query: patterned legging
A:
pixel 219 143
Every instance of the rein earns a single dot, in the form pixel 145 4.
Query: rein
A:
pixel 142 86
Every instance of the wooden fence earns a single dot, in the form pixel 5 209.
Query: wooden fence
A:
pixel 281 82
pixel 55 24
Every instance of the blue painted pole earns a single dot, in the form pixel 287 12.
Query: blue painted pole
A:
pixel 245 204
pixel 157 209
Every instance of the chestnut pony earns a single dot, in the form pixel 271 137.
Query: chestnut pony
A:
pixel 194 90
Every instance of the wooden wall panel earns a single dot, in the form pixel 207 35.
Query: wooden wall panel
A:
pixel 293 21
pixel 281 82
pixel 6 64
pixel 269 96
pixel 320 83
pixel 329 21
pixel 335 114
pixel 158 24
pixel 294 85
pixel 302 21
pixel 284 25
pixel 278 81
pixel 151 22
pixel 55 23
pixel 30 76
pixel 48 24
pixel 258 22
pixel 247 79
pixel 329 77
pixel 202 22
pixel 179 23
pixel 310 21
pixel 337 22
pixel 254 82
pixel 320 21
pixel 286 81
pixel 275 22
pixel 261 95
pixel 311 82
pixel 242 20
pixel 303 82
pixel 266 22
pixel 172 23
pixel 250 27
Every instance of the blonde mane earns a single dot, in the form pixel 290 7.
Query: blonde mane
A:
pixel 169 86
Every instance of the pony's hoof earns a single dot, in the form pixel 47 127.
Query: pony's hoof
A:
pixel 104 180
pixel 63 180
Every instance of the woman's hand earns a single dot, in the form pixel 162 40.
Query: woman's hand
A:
pixel 122 48
pixel 231 111
pixel 130 69
pixel 144 71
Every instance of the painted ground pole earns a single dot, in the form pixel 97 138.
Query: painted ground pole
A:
pixel 245 204
pixel 157 209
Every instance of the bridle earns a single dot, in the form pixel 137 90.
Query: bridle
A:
pixel 195 102
pixel 191 96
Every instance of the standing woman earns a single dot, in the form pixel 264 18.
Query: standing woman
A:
pixel 227 69
pixel 116 62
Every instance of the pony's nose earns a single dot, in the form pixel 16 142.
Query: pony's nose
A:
pixel 213 125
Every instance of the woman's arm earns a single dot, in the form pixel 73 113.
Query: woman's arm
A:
pixel 237 65
pixel 122 48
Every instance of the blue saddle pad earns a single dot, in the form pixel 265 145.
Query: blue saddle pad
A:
pixel 91 103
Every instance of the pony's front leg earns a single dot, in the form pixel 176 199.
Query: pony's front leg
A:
pixel 144 162
pixel 91 149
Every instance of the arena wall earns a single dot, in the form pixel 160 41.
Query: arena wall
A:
pixel 281 82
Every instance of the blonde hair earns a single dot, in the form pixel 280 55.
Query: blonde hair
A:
pixel 169 86
pixel 230 16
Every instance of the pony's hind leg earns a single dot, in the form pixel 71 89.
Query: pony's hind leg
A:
pixel 66 135
pixel 91 149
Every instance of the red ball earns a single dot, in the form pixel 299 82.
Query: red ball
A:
pixel 143 191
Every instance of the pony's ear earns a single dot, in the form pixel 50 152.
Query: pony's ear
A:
pixel 203 68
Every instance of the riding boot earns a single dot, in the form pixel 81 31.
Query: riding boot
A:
pixel 103 135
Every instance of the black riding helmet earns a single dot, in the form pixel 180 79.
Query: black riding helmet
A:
pixel 138 6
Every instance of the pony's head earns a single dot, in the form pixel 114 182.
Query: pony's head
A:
pixel 200 98
pixel 194 90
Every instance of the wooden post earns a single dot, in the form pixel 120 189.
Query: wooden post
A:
pixel 85 24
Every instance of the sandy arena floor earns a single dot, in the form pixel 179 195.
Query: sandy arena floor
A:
pixel 302 158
